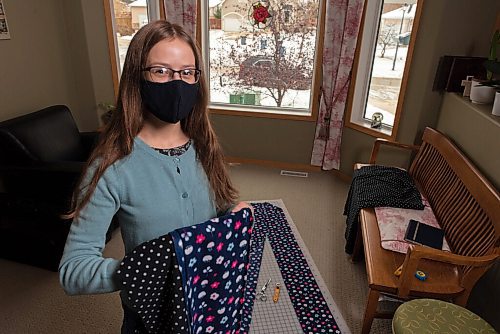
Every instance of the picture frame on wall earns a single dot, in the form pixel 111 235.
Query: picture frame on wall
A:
pixel 4 27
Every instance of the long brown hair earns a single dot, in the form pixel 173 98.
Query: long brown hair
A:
pixel 117 138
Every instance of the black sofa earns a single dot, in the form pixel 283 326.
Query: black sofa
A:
pixel 42 155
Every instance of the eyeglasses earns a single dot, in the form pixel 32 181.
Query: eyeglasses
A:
pixel 164 74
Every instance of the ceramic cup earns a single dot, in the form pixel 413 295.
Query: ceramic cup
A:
pixel 481 94
pixel 496 105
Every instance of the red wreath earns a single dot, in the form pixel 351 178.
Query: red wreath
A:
pixel 260 13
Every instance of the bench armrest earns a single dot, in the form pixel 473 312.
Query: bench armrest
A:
pixel 416 253
pixel 380 141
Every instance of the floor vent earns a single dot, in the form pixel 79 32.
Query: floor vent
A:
pixel 292 173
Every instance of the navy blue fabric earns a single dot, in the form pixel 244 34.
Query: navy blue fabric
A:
pixel 213 260
pixel 152 282
pixel 312 310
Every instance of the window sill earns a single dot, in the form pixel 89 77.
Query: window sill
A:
pixel 364 126
pixel 273 113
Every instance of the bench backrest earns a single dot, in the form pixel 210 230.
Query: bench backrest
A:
pixel 466 205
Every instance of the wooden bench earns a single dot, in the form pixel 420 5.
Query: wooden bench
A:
pixel 467 208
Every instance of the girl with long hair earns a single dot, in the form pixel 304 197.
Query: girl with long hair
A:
pixel 157 166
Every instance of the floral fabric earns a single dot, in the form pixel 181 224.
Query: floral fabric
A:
pixel 393 222
pixel 183 13
pixel 213 260
pixel 175 151
pixel 343 18
pixel 258 239
pixel 312 310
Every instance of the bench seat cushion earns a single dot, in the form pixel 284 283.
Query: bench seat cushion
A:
pixel 393 222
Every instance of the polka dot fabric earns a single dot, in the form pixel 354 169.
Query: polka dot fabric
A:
pixel 255 259
pixel 378 186
pixel 152 283
pixel 213 258
pixel 310 306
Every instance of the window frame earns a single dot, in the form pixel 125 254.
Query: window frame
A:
pixel 355 119
pixel 268 112
pixel 155 10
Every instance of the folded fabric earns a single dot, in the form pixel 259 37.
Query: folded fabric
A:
pixel 376 186
pixel 152 282
pixel 193 279
pixel 393 222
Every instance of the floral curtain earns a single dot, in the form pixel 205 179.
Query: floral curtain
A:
pixel 183 13
pixel 342 23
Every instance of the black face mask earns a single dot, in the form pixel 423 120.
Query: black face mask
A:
pixel 170 101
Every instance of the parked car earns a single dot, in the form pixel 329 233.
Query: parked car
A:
pixel 261 71
pixel 255 64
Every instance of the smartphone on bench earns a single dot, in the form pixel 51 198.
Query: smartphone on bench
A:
pixel 423 234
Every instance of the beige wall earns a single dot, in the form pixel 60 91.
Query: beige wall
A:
pixel 265 139
pixel 459 118
pixel 33 71
pixel 49 59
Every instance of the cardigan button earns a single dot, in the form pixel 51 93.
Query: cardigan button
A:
pixel 185 195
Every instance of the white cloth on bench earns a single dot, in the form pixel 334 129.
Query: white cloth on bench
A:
pixel 393 222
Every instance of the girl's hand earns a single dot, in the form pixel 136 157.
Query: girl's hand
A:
pixel 242 205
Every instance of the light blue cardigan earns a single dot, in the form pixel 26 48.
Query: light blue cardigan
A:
pixel 150 199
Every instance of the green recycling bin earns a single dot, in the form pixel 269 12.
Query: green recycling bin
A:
pixel 250 98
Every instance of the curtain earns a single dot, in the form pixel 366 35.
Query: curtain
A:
pixel 183 13
pixel 342 23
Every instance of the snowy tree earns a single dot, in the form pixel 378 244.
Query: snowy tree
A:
pixel 274 49
pixel 386 38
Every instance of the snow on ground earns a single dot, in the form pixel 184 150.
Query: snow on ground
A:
pixel 292 99
pixel 383 66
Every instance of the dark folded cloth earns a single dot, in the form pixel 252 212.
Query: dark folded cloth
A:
pixel 191 280
pixel 378 186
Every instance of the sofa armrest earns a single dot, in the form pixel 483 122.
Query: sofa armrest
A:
pixel 57 166
pixel 54 180
pixel 89 140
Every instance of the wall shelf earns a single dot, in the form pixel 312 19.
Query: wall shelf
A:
pixel 475 131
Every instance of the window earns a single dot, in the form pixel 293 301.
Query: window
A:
pixel 383 61
pixel 287 12
pixel 123 19
pixel 263 44
pixel 262 57
pixel 282 51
